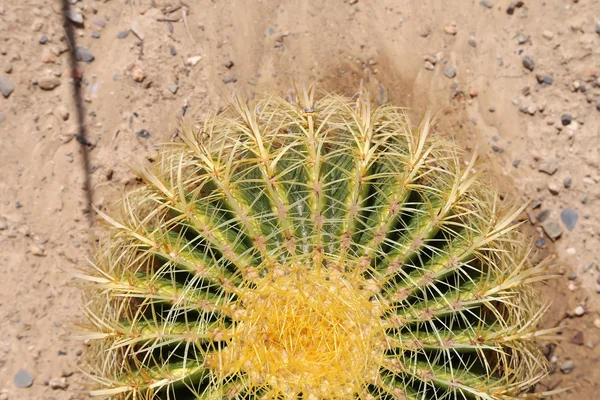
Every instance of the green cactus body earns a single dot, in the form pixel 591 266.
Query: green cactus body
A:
pixel 313 249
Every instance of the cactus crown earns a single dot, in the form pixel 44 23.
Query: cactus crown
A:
pixel 314 249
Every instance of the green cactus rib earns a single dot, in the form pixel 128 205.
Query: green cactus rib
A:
pixel 313 249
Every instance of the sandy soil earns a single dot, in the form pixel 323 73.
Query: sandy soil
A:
pixel 493 101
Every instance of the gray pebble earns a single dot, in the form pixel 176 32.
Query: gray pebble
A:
pixel 450 72
pixel 548 166
pixel 6 87
pixel 522 40
pixel 486 4
pixel 572 276
pixel 173 50
pixel 8 68
pixel 584 199
pixel 122 34
pixel 567 182
pixel 230 79
pixel 43 39
pixel 23 379
pixel 83 54
pixel 75 17
pixel 143 133
pixel 497 149
pixel 566 119
pixel 540 243
pixel 528 62
pixel 598 27
pixel 552 229
pixel 95 35
pixel 472 42
pixel 569 217
pixel 173 88
pixel 567 367
pixel 598 105
pixel 516 163
pixel 99 21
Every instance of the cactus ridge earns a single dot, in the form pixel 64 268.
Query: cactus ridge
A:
pixel 315 249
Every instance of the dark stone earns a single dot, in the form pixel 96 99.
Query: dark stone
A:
pixel 528 62
pixel 516 163
pixel 122 34
pixel 566 119
pixel 569 217
pixel 95 35
pixel 567 182
pixel 229 64
pixel 143 133
pixel 230 79
pixel 173 50
pixel 472 42
pixel 43 39
pixel 578 338
pixel 543 215
pixel 540 243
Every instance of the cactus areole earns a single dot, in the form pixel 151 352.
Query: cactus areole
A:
pixel 313 249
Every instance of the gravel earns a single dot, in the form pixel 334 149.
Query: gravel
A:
pixel 43 39
pixel 122 34
pixel 23 379
pixel 528 62
pixel 450 72
pixel 569 217
pixel 6 87
pixel 567 182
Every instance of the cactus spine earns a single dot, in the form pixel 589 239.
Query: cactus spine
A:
pixel 313 249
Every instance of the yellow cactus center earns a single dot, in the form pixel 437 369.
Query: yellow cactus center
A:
pixel 307 331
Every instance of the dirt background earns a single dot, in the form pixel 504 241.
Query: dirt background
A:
pixel 493 101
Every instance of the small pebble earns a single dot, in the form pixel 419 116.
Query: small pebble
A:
pixel 6 87
pixel 23 379
pixel 510 10
pixel 450 72
pixel 528 62
pixel 548 35
pixel 429 66
pixel 95 35
pixel 122 34
pixel 579 310
pixel 486 4
pixel 229 64
pixel 540 243
pixel 569 217
pixel 472 42
pixel 173 88
pixel 58 383
pixel 598 27
pixel 567 182
pixel 516 163
pixel 49 83
pixel 566 119
pixel 99 22
pixel 492 109
pixel 552 229
pixel 192 61
pixel 450 30
pixel 567 366
pixel 137 73
pixel 143 133
pixel 572 276
pixel 522 40
pixel 553 188
pixel 37 251
pixel 548 166
pixel 230 79
pixel 173 50
pixel 43 39
pixel 75 17
pixel 8 68
pixel 83 54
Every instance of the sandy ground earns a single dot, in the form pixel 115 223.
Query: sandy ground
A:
pixel 492 101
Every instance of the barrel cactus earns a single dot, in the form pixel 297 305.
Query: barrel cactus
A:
pixel 313 248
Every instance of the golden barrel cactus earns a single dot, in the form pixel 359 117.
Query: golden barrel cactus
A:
pixel 313 249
